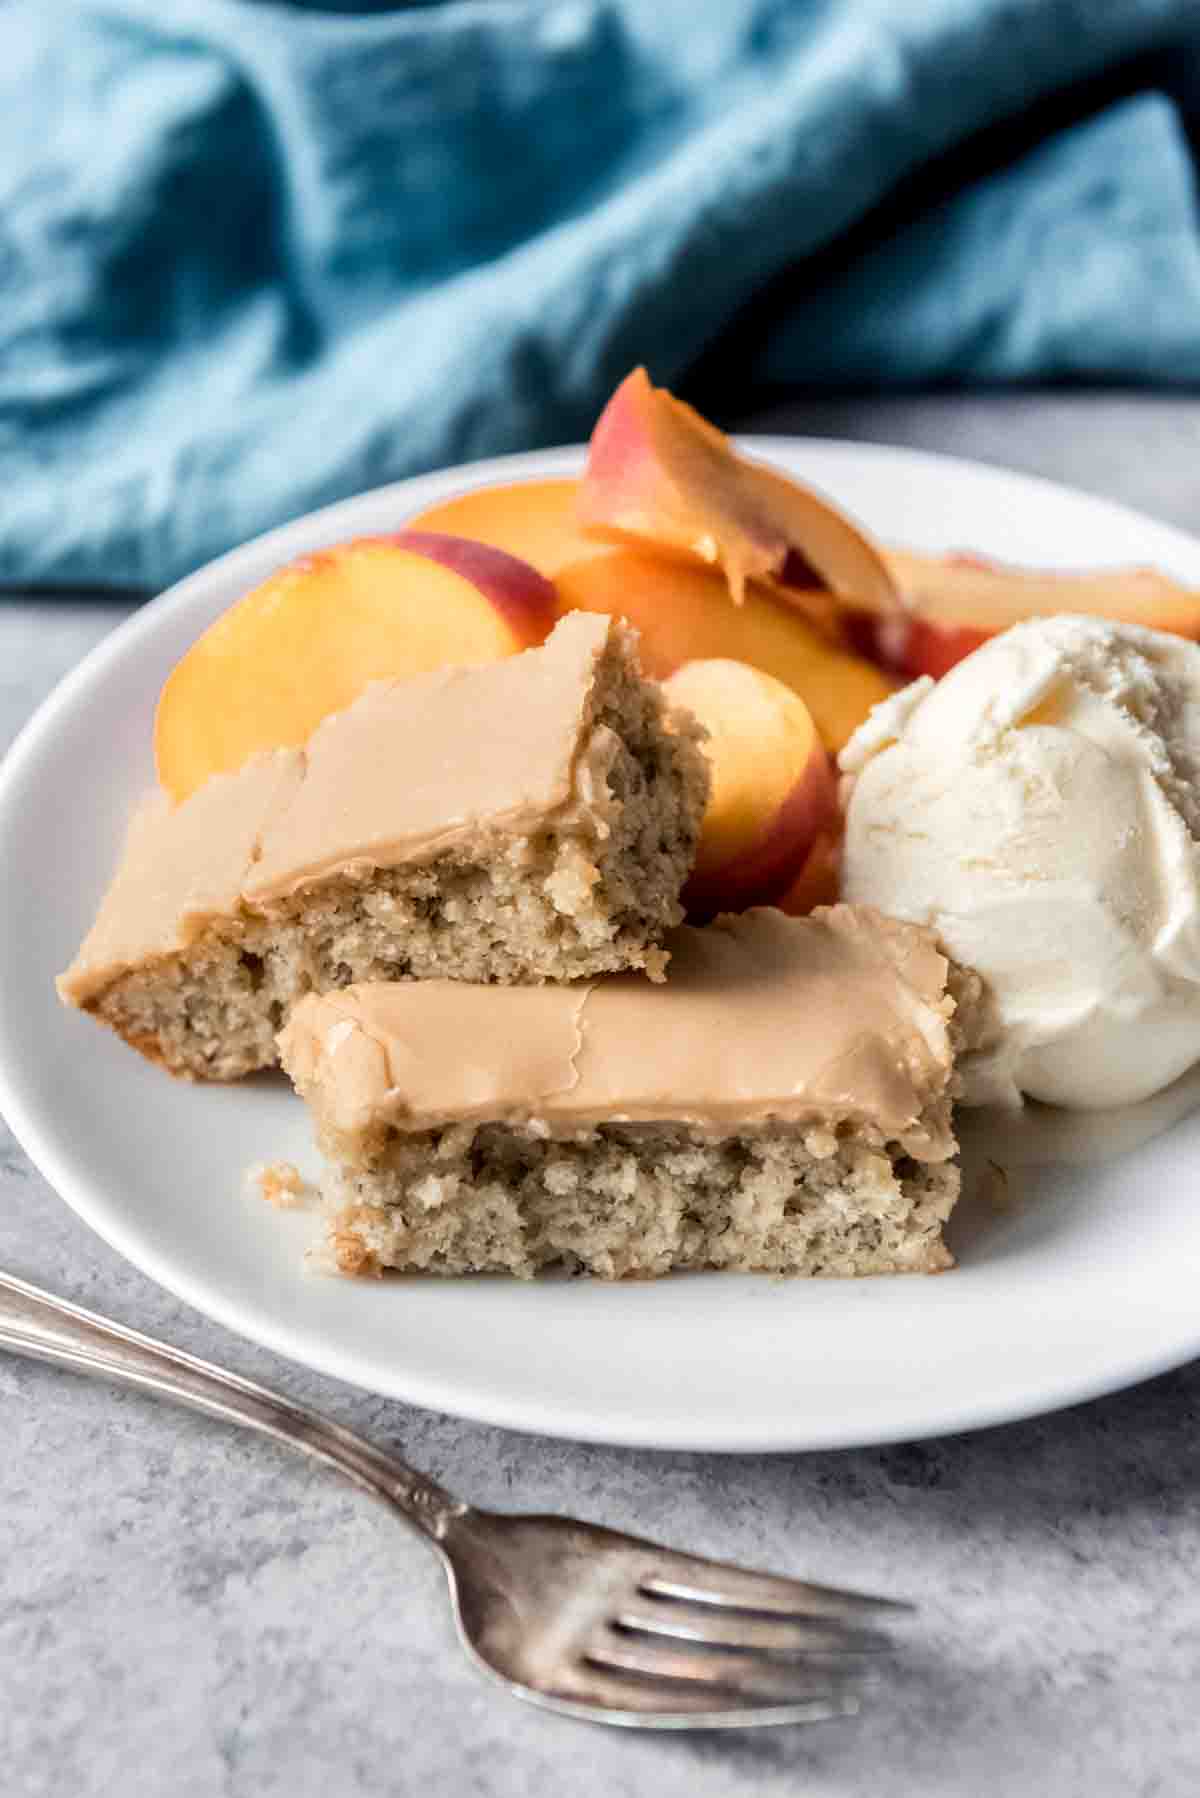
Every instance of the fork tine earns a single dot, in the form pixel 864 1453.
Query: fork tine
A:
pixel 723 1628
pixel 714 1583
pixel 610 1696
pixel 722 1672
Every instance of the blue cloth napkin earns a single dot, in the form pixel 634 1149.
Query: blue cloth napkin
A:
pixel 256 256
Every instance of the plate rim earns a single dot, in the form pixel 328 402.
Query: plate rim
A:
pixel 1053 1393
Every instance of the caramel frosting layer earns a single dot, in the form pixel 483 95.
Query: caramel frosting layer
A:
pixel 838 1018
pixel 413 768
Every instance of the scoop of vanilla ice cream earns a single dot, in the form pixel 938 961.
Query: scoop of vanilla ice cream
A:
pixel 1039 808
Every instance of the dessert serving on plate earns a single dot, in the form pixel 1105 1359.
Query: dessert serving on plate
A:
pixel 434 805
pixel 531 819
pixel 782 1103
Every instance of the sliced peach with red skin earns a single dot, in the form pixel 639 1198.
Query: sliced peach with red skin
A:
pixel 773 790
pixel 683 614
pixel 311 637
pixel 681 608
pixel 956 602
pixel 660 475
pixel 534 520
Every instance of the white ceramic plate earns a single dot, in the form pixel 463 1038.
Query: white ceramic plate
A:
pixel 1089 1284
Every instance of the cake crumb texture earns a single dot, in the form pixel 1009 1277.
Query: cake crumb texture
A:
pixel 626 1202
pixel 279 1183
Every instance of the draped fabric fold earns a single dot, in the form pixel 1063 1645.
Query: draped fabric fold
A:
pixel 256 256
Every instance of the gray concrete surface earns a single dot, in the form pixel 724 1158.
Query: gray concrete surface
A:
pixel 188 1613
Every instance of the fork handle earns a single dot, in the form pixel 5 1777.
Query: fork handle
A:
pixel 46 1328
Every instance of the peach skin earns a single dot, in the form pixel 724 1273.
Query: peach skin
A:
pixel 309 639
pixel 819 881
pixel 773 790
pixel 534 520
pixel 660 475
pixel 956 602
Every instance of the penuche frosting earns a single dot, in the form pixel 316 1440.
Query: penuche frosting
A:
pixel 841 1017
pixel 411 769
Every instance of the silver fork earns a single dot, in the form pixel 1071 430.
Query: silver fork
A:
pixel 578 1619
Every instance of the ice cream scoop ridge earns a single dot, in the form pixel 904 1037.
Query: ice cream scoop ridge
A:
pixel 1040 809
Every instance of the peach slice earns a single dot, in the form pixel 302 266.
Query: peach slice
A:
pixel 957 602
pixel 773 791
pixel 531 519
pixel 684 615
pixel 681 608
pixel 659 474
pixel 309 639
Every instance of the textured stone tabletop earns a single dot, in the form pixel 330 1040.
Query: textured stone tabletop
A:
pixel 186 1612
